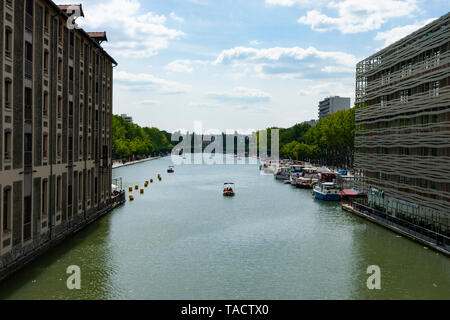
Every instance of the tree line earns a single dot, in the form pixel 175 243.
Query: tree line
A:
pixel 329 142
pixel 129 140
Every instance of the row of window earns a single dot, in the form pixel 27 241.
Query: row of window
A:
pixel 27 204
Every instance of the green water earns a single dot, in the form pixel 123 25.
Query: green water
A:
pixel 183 240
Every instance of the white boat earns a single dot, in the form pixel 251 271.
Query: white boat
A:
pixel 328 191
pixel 269 167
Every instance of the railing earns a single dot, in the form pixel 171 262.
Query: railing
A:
pixel 435 233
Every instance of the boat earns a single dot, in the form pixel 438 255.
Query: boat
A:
pixel 228 189
pixel 327 191
pixel 296 171
pixel 269 167
pixel 282 173
pixel 170 169
pixel 308 177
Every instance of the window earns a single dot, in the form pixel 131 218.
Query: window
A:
pixel 80 186
pixel 58 194
pixel 60 69
pixel 46 60
pixel 8 145
pixel 59 145
pixel 45 106
pixel 7 209
pixel 46 20
pixel 81 114
pixel 8 93
pixel 45 146
pixel 44 198
pixel 435 89
pixel 59 107
pixel 8 42
pixel 69 196
pixel 383 101
pixel 404 96
pixel 81 146
pixel 27 218
pixel 60 31
pixel 81 81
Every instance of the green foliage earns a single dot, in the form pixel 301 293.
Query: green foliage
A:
pixel 331 141
pixel 129 139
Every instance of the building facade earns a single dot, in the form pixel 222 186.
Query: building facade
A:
pixel 403 127
pixel 127 118
pixel 55 124
pixel 332 104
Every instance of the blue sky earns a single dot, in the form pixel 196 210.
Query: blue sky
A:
pixel 243 64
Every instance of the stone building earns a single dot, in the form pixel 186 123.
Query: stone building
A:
pixel 55 124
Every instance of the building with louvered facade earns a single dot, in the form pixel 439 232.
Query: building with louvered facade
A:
pixel 402 138
pixel 55 124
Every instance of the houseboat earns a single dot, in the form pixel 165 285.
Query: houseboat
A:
pixel 328 191
pixel 307 178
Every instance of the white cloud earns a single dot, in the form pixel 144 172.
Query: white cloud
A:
pixel 290 3
pixel 338 87
pixel 241 95
pixel 391 36
pixel 287 62
pixel 355 16
pixel 185 65
pixel 255 42
pixel 176 18
pixel 180 66
pixel 147 81
pixel 148 102
pixel 132 31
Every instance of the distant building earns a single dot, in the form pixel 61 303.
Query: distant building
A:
pixel 127 118
pixel 312 123
pixel 331 105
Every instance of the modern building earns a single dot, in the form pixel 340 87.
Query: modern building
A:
pixel 312 123
pixel 331 105
pixel 55 124
pixel 403 128
pixel 127 118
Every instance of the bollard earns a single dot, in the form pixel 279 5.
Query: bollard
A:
pixel 142 191
pixel 131 198
pixel 151 180
pixel 130 189
pixel 136 187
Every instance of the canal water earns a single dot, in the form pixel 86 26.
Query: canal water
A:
pixel 182 239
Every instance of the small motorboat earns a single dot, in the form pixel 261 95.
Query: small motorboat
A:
pixel 170 169
pixel 228 189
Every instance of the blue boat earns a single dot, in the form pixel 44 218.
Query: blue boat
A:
pixel 327 191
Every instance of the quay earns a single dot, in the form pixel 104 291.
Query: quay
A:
pixel 429 238
pixel 18 259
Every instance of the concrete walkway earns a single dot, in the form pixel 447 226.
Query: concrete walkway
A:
pixel 120 164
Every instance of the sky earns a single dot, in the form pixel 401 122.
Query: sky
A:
pixel 243 64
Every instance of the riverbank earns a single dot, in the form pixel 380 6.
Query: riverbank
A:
pixel 120 164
